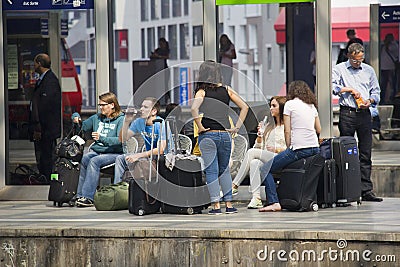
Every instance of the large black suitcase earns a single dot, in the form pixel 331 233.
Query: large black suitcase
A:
pixel 144 191
pixel 143 197
pixel 63 188
pixel 326 191
pixel 183 188
pixel 345 153
pixel 297 189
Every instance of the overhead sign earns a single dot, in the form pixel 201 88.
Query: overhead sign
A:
pixel 243 2
pixel 388 14
pixel 24 5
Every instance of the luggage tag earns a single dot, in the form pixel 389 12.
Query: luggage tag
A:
pixel 78 139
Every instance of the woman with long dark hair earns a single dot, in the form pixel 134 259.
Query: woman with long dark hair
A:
pixel 269 142
pixel 212 99
pixel 226 55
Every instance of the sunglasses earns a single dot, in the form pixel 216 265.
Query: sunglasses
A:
pixel 355 61
pixel 102 105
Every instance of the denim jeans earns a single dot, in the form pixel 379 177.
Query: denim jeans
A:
pixel 279 162
pixel 215 150
pixel 91 164
pixel 120 167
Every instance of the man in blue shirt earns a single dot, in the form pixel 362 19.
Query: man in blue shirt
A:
pixel 143 126
pixel 358 87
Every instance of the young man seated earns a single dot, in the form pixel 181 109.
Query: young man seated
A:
pixel 143 126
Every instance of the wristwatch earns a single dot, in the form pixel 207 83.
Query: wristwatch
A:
pixel 371 100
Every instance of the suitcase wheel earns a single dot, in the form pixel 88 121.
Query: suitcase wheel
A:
pixel 140 212
pixel 190 211
pixel 333 205
pixel 314 206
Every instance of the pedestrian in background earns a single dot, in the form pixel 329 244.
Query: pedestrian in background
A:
pixel 226 54
pixel 355 81
pixel 389 59
pixel 45 115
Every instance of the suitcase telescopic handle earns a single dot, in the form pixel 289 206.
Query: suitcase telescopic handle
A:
pixel 152 146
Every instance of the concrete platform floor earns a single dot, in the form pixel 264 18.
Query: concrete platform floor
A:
pixel 43 235
pixel 369 217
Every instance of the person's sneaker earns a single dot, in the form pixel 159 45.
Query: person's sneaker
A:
pixel 255 203
pixel 235 191
pixel 215 212
pixel 231 210
pixel 84 202
pixel 72 202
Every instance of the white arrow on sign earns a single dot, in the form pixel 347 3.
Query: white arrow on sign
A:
pixel 384 15
pixel 9 1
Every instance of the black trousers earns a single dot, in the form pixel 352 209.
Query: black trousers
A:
pixel 45 156
pixel 351 122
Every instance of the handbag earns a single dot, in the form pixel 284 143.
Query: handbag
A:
pixel 71 147
pixel 141 169
pixel 112 197
pixel 25 175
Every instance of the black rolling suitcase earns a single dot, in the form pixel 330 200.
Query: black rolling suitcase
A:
pixel 348 181
pixel 326 191
pixel 297 189
pixel 64 182
pixel 142 197
pixel 144 191
pixel 183 188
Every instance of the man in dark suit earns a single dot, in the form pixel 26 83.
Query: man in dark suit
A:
pixel 45 115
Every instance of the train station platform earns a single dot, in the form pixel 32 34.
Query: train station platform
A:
pixel 35 233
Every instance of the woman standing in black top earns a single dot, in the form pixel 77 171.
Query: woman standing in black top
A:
pixel 212 99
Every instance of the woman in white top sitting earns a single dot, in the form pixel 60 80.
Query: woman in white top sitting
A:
pixel 302 126
pixel 269 142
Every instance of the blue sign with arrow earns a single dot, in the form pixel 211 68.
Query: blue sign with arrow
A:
pixel 28 5
pixel 389 14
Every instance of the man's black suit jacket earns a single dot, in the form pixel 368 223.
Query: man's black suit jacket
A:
pixel 45 108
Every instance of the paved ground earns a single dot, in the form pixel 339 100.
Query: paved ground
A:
pixel 370 217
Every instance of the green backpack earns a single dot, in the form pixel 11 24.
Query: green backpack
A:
pixel 112 197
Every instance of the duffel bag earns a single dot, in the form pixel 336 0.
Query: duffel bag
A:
pixel 112 197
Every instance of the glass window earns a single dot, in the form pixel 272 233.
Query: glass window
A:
pixel 269 59
pixel 184 41
pixel 143 41
pixel 151 41
pixel 282 58
pixel 144 8
pixel 161 32
pixel 176 8
pixel 198 35
pixel 172 41
pixel 154 9
pixel 165 9
pixel 185 7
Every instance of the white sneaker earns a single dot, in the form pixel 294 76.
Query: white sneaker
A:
pixel 255 203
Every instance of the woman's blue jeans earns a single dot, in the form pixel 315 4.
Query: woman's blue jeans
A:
pixel 91 164
pixel 279 162
pixel 215 150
